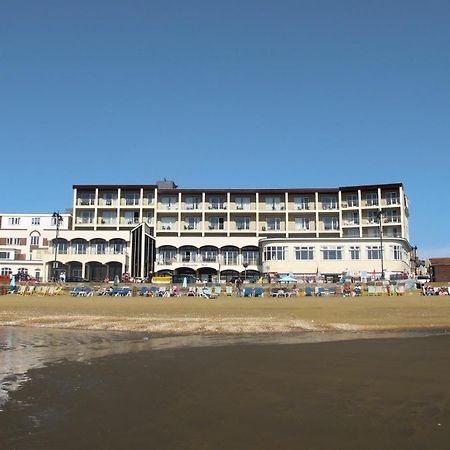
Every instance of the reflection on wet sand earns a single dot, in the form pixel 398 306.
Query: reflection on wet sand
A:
pixel 23 349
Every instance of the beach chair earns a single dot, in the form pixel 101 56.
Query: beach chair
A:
pixel 115 292
pixel 371 290
pixel 43 290
pixel 30 290
pixel 259 292
pixel 143 291
pixel 274 292
pixel 21 289
pixel 320 292
pixel 86 292
pixel 308 291
pixel 51 290
pixel 207 293
pixel 248 292
pixel 75 292
pixel 229 291
pixel 379 289
pixel 126 292
pixel 191 292
pixel 58 290
pixel 153 291
pixel 199 291
pixel 217 290
pixel 331 291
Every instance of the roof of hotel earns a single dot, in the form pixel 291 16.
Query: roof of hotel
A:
pixel 235 190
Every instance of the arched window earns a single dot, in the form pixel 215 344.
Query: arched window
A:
pixel 5 271
pixel 117 246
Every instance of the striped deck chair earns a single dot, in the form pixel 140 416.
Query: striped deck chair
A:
pixel 30 290
pixel 22 289
pixel 229 291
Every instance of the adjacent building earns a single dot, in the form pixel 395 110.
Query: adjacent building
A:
pixel 162 229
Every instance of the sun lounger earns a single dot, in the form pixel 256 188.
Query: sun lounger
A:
pixel 259 292
pixel 229 290
pixel 75 292
pixel 143 291
pixel 248 292
pixel 308 291
pixel 126 292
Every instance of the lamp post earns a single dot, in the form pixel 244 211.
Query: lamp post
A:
pixel 380 222
pixel 56 219
pixel 414 259
pixel 245 264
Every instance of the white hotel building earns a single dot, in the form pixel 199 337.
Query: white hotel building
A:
pixel 161 229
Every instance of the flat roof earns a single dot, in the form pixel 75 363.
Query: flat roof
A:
pixel 237 190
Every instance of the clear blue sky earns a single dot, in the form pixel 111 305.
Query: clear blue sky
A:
pixel 252 93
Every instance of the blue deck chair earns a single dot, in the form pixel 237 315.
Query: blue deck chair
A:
pixel 331 291
pixel 248 292
pixel 126 292
pixel 259 292
pixel 75 292
pixel 115 292
pixel 320 292
pixel 308 291
pixel 86 292
pixel 143 291
pixel 154 290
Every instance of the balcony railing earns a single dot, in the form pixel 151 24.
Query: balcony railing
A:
pixel 84 220
pixel 130 201
pixel 107 201
pixel 86 201
pixel 86 251
pixel 216 259
pixel 106 221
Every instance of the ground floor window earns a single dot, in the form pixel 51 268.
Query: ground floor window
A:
pixel 397 252
pixel 304 253
pixel 373 252
pixel 5 271
pixel 277 253
pixel 332 252
pixel 355 252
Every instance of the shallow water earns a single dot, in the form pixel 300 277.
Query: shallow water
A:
pixel 22 349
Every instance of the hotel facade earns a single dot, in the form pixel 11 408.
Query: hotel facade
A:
pixel 161 229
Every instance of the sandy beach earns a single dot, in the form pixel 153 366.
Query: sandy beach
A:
pixel 227 315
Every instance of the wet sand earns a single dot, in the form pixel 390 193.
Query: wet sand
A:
pixel 226 315
pixel 363 394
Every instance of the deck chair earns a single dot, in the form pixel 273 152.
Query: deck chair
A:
pixel 308 291
pixel 43 290
pixel 126 292
pixel 229 291
pixel 75 292
pixel 331 291
pixel 207 293
pixel 21 290
pixel 51 290
pixel 143 291
pixel 371 290
pixel 217 290
pixel 30 290
pixel 248 292
pixel 259 292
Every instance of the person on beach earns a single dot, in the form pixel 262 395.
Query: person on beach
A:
pixel 239 287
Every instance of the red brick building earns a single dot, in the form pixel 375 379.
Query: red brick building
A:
pixel 440 269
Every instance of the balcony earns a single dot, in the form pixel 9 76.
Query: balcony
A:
pixel 107 201
pixel 350 204
pixel 106 221
pixel 192 227
pixel 86 201
pixel 130 201
pixel 84 220
pixel 125 221
pixel 329 206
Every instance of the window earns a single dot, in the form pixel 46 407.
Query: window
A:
pixel 132 198
pixel 209 254
pixel 273 223
pixel 109 199
pixel 108 217
pixel 242 203
pixel 392 198
pixel 5 271
pixel 397 252
pixel 131 217
pixel 331 223
pixel 34 240
pixel 243 223
pixel 216 202
pixel 117 246
pixel 192 202
pixel 355 252
pixel 14 221
pixel 230 256
pixel 86 198
pixel 35 221
pixel 167 255
pixel 168 202
pixel 301 202
pixel 373 252
pixel 216 223
pixel 304 253
pixel 392 216
pixel 352 218
pixel 351 200
pixel 372 199
pixel 98 247
pixel 168 223
pixel 301 223
pixel 62 246
pixel 4 255
pixel 191 223
pixel 275 253
pixel 372 217
pixel 329 202
pixel 79 247
pixel 85 217
pixel 332 252
pixel 250 256
pixel 273 203
pixel 12 241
